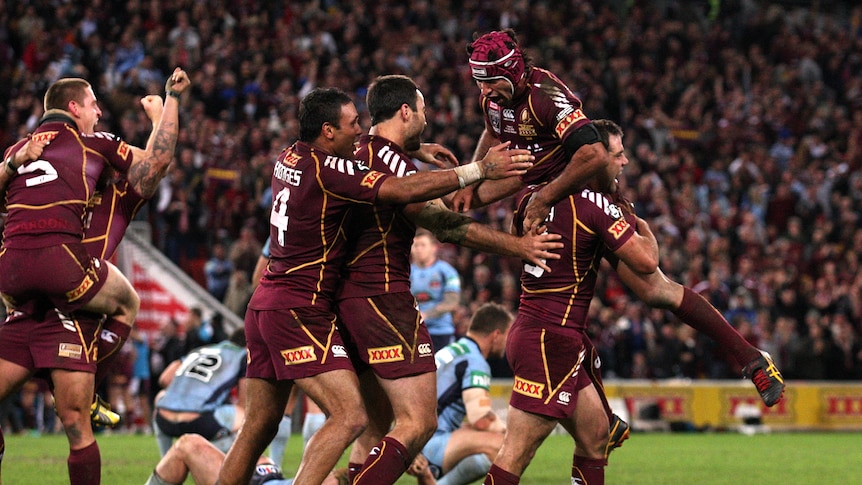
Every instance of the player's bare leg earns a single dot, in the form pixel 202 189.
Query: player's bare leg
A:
pixel 117 298
pixel 267 398
pixel 414 405
pixel 465 442
pixel 380 419
pixel 73 394
pixel 191 454
pixel 524 433
pixel 589 427
pixel 337 394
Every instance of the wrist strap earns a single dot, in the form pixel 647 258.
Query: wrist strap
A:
pixel 468 174
pixel 11 169
pixel 173 94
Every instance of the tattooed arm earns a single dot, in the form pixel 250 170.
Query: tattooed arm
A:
pixel 151 163
pixel 449 226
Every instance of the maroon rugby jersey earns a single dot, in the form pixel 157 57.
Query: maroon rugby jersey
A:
pixel 46 200
pixel 539 120
pixel 314 193
pixel 111 211
pixel 588 222
pixel 380 237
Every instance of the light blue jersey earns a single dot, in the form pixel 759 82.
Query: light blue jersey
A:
pixel 460 366
pixel 428 286
pixel 205 378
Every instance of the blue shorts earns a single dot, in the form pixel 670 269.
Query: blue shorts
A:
pixel 435 449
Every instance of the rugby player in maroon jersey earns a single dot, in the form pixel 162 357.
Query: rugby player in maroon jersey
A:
pixel 77 336
pixel 290 323
pixel 557 369
pixel 378 310
pixel 531 108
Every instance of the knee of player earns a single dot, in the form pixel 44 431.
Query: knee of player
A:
pixel 190 444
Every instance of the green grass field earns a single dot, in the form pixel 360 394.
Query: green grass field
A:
pixel 654 458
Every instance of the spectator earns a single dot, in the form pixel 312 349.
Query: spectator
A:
pixel 218 270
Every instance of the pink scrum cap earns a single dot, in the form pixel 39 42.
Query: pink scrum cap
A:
pixel 495 55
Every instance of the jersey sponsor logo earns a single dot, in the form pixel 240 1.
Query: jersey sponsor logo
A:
pixel 480 379
pixel 509 114
pixel 528 388
pixel 288 175
pixel 370 180
pixel 380 355
pixel 571 119
pixel 299 355
pixel 339 351
pixel 291 159
pixel 619 228
pixel 44 136
pixel 123 149
pixel 78 292
pixel 70 351
pixel 527 131
pixel 564 397
pixel 424 350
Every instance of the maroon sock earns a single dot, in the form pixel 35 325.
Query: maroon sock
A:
pixel 113 336
pixel 386 462
pixel 353 470
pixel 590 471
pixel 498 476
pixel 696 312
pixel 85 466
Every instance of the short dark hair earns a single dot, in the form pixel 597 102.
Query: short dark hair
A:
pixel 321 105
pixel 490 317
pixel 387 94
pixel 64 90
pixel 606 129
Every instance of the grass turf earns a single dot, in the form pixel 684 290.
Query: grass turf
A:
pixel 646 458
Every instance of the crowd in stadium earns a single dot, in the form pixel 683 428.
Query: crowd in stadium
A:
pixel 743 121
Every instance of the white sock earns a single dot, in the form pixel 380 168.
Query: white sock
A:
pixel 313 422
pixel 467 470
pixel 279 443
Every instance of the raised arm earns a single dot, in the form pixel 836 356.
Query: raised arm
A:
pixel 150 164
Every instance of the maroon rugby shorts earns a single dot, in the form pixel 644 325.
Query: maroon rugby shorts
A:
pixel 294 343
pixel 551 364
pixel 387 334
pixel 56 342
pixel 65 274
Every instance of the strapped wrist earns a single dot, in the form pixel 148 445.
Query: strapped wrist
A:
pixel 173 94
pixel 468 174
pixel 11 168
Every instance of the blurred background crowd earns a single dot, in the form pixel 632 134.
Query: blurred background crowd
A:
pixel 742 118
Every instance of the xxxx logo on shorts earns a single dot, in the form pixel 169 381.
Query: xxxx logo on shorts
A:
pixel 528 388
pixel 299 355
pixel 380 355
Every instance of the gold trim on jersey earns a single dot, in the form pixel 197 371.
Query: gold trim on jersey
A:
pixel 416 326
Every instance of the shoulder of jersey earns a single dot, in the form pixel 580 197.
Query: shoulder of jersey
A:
pixel 602 201
pixel 102 134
